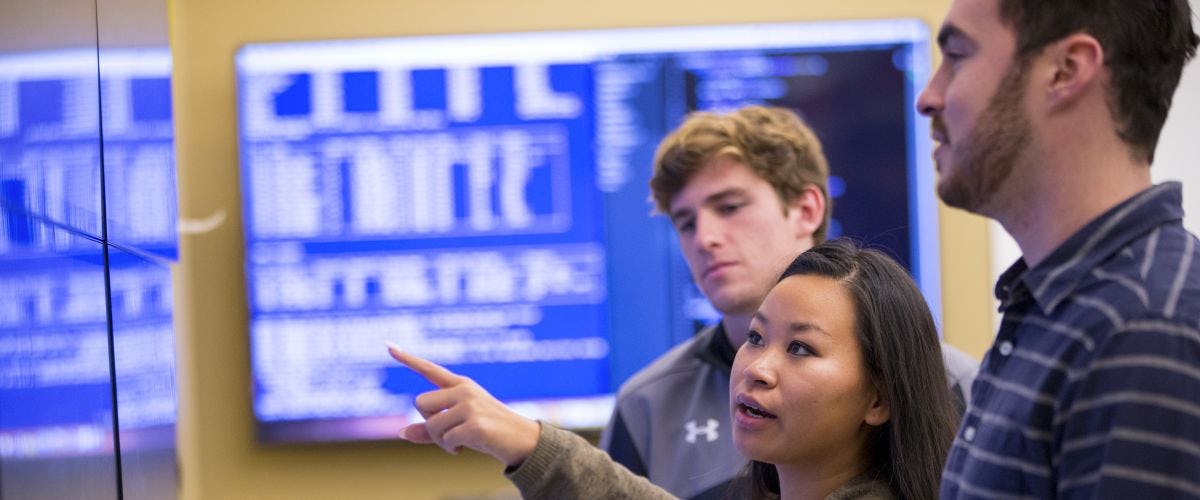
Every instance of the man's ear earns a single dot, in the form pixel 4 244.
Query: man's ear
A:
pixel 807 211
pixel 1075 64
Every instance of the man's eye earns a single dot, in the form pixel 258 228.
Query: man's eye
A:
pixel 729 209
pixel 685 226
pixel 953 58
pixel 799 349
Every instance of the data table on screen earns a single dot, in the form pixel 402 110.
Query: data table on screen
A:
pixel 481 200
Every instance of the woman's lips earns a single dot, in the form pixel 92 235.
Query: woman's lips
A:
pixel 750 414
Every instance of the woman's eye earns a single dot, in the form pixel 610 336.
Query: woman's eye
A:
pixel 798 349
pixel 754 338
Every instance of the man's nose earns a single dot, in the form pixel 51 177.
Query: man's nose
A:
pixel 930 100
pixel 708 231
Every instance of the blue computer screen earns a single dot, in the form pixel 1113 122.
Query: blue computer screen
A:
pixel 72 279
pixel 64 114
pixel 482 201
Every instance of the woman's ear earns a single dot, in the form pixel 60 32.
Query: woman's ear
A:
pixel 878 412
pixel 807 211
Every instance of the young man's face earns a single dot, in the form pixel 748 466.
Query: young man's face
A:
pixel 735 234
pixel 976 103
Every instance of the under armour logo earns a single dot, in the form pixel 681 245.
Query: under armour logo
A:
pixel 709 430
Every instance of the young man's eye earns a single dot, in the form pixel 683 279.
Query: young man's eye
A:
pixel 729 209
pixel 685 226
pixel 798 349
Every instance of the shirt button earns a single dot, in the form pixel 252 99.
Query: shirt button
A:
pixel 969 434
pixel 1006 348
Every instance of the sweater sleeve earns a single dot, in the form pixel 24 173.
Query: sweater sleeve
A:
pixel 564 465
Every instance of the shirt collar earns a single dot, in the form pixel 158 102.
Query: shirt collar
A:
pixel 1056 277
pixel 716 349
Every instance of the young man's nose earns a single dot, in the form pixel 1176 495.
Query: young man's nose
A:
pixel 708 231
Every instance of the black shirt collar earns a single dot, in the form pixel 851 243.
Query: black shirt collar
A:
pixel 1056 277
pixel 716 349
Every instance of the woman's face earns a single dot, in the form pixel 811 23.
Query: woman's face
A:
pixel 799 390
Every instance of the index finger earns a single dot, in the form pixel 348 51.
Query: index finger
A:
pixel 432 372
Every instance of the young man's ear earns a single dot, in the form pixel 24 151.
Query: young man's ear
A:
pixel 807 211
pixel 1072 66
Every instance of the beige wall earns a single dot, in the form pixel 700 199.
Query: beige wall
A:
pixel 219 456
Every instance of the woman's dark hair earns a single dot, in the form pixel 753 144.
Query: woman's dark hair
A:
pixel 902 357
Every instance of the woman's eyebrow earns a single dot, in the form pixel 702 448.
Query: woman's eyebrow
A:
pixel 804 327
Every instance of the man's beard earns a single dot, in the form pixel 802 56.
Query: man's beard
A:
pixel 987 156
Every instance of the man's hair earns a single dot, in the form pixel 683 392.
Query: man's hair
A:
pixel 902 356
pixel 773 142
pixel 1146 43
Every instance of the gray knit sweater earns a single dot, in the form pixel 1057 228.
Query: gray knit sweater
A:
pixel 565 465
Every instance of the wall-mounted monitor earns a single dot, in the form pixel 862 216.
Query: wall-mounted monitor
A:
pixel 84 264
pixel 482 200
pixel 64 114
